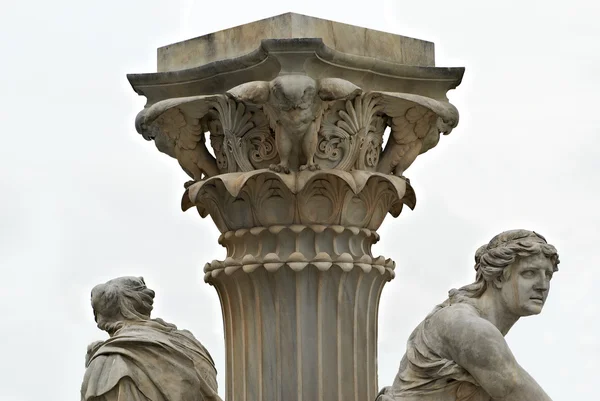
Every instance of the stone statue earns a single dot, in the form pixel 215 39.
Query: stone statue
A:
pixel 458 353
pixel 295 106
pixel 144 359
pixel 182 137
pixel 413 133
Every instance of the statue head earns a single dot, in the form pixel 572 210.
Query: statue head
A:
pixel 119 300
pixel 517 265
pixel 291 91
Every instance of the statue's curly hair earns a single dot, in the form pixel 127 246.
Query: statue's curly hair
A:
pixel 123 298
pixel 492 260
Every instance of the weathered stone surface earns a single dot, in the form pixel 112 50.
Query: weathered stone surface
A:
pixel 263 198
pixel 298 180
pixel 294 105
pixel 458 353
pixel 252 129
pixel 240 40
pixel 308 335
pixel 144 359
pixel 308 56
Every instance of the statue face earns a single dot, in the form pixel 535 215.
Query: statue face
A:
pixel 526 290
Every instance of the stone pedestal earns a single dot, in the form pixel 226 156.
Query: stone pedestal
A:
pixel 298 180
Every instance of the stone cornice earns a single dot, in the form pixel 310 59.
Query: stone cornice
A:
pixel 308 56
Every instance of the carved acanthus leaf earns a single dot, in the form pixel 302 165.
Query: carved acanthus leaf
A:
pixel 329 197
pixel 260 144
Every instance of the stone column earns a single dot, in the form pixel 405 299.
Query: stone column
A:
pixel 298 180
pixel 299 287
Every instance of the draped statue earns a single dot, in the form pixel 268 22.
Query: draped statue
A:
pixel 144 359
pixel 458 353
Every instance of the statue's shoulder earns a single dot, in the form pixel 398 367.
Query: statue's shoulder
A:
pixel 460 309
pixel 91 351
pixel 447 313
pixel 449 321
pixel 461 326
pixel 103 374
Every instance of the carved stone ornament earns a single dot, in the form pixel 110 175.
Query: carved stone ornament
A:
pixel 337 134
pixel 144 359
pixel 297 150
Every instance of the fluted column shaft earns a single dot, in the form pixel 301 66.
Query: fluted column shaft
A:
pixel 306 335
pixel 300 308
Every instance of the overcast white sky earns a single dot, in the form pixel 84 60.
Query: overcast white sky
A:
pixel 84 198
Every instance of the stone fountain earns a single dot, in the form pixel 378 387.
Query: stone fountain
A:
pixel 311 125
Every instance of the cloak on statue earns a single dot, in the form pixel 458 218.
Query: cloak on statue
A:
pixel 149 360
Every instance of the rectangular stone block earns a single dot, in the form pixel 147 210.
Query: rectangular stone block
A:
pixel 243 39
